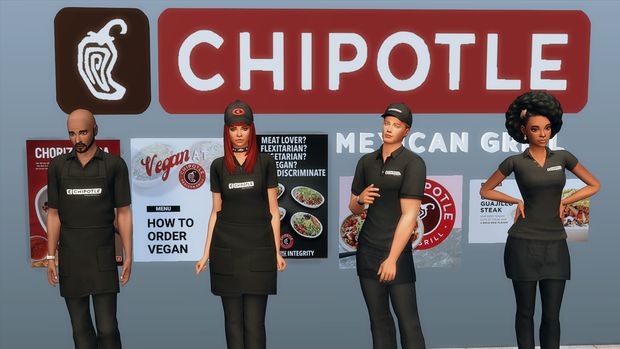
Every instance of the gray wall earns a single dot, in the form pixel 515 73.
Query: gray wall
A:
pixel 166 305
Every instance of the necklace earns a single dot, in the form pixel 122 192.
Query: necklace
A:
pixel 239 150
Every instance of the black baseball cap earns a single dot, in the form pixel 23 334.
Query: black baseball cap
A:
pixel 238 111
pixel 400 111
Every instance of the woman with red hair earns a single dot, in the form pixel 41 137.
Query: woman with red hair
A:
pixel 243 240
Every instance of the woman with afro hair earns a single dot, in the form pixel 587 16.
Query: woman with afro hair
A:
pixel 536 253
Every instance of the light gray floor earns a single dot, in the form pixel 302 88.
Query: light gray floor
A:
pixel 594 346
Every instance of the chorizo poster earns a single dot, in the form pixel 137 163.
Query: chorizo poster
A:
pixel 437 239
pixel 171 196
pixel 489 220
pixel 301 160
pixel 39 153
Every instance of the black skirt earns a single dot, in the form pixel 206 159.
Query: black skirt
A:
pixel 368 260
pixel 533 260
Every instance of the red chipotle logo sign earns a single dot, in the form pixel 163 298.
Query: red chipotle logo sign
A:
pixel 438 213
pixel 343 61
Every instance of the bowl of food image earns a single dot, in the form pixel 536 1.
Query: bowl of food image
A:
pixel 306 225
pixel 418 234
pixel 352 225
pixel 40 207
pixel 281 189
pixel 38 248
pixel 282 211
pixel 350 229
pixel 307 197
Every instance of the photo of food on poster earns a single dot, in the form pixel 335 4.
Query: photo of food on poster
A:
pixel 489 220
pixel 39 153
pixel 437 239
pixel 301 160
pixel 171 196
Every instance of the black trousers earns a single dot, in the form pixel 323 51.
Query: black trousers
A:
pixel 244 319
pixel 551 293
pixel 84 335
pixel 403 298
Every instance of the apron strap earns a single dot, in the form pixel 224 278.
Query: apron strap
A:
pixel 64 173
pixel 101 164
pixel 263 181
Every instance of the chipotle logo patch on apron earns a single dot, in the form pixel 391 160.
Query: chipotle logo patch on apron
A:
pixel 241 185
pixel 85 191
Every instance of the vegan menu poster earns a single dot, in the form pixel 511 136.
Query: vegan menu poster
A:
pixel 171 196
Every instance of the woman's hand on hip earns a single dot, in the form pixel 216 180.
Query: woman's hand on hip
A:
pixel 520 211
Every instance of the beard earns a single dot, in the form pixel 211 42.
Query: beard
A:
pixel 82 147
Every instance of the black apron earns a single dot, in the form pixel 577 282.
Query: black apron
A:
pixel 242 259
pixel 534 260
pixel 87 258
pixel 368 260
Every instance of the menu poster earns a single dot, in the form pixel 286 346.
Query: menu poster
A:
pixel 301 160
pixel 171 196
pixel 489 220
pixel 437 239
pixel 39 153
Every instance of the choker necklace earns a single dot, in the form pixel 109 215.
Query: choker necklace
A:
pixel 239 150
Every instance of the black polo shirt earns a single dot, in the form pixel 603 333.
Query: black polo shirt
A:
pixel 116 172
pixel 403 175
pixel 249 203
pixel 541 188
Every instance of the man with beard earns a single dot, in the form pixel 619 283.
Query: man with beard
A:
pixel 88 190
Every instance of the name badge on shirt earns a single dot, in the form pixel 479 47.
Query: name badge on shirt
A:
pixel 241 185
pixel 392 173
pixel 554 168
pixel 84 191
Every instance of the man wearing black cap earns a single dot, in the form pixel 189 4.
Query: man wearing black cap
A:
pixel 390 181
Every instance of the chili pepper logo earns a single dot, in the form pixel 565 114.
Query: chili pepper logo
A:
pixel 96 57
pixel 102 60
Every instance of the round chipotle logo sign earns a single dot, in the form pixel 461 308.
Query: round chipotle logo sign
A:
pixel 192 176
pixel 438 213
pixel 287 241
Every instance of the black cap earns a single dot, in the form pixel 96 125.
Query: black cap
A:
pixel 400 111
pixel 237 112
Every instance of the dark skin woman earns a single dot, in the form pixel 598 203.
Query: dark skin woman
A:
pixel 536 253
